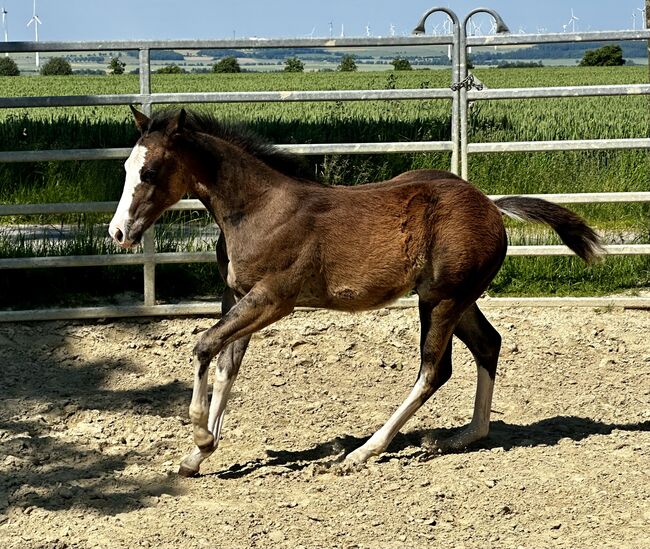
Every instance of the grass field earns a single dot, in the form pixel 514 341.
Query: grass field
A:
pixel 368 121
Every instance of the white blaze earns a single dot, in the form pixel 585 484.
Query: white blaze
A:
pixel 133 165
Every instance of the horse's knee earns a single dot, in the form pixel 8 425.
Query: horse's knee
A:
pixel 205 350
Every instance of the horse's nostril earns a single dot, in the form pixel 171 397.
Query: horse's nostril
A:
pixel 119 235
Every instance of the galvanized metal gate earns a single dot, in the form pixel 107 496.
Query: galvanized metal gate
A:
pixel 462 91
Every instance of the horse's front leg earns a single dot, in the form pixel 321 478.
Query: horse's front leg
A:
pixel 228 363
pixel 257 309
pixel 227 368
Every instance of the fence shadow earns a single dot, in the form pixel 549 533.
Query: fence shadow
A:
pixel 43 396
pixel 546 432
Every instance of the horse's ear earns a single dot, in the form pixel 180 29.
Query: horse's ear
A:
pixel 141 120
pixel 177 125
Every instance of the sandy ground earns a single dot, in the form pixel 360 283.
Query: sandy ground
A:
pixel 93 424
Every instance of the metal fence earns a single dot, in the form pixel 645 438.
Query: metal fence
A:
pixel 460 93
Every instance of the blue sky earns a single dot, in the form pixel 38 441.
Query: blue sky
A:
pixel 66 20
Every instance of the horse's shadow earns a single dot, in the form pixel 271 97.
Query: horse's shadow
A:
pixel 546 432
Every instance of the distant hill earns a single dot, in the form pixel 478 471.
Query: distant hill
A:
pixel 570 50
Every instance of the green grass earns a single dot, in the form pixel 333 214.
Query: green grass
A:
pixel 364 121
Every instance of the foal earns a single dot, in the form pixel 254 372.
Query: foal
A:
pixel 286 242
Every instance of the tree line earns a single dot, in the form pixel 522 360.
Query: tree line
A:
pixel 609 55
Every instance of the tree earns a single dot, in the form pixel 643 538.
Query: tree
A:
pixel 401 64
pixel 227 64
pixel 8 67
pixel 170 69
pixel 116 66
pixel 347 64
pixel 607 56
pixel 56 66
pixel 293 64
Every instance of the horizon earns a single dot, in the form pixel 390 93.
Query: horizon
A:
pixel 76 20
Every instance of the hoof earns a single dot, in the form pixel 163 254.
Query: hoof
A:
pixel 186 472
pixel 348 467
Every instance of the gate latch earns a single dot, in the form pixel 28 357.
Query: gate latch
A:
pixel 468 83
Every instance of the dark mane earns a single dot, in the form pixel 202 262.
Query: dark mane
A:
pixel 239 135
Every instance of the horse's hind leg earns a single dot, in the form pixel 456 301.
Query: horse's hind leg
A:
pixel 437 324
pixel 484 342
pixel 227 368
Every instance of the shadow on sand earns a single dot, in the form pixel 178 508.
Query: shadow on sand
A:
pixel 43 396
pixel 546 432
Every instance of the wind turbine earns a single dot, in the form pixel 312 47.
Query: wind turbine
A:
pixel 331 25
pixel 446 29
pixel 634 20
pixel 643 12
pixel 392 29
pixel 4 26
pixel 36 22
pixel 342 31
pixel 572 21
pixel 368 33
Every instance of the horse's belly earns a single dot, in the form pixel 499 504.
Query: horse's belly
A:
pixel 347 297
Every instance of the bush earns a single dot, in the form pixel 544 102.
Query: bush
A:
pixel 607 56
pixel 293 64
pixel 347 64
pixel 170 69
pixel 56 66
pixel 400 64
pixel 227 64
pixel 116 66
pixel 8 67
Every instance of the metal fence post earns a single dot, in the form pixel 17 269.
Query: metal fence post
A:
pixel 455 73
pixel 465 83
pixel 148 238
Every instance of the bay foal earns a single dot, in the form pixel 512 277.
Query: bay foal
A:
pixel 287 241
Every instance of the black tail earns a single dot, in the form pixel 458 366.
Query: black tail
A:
pixel 570 227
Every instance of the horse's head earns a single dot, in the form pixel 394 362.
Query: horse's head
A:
pixel 154 179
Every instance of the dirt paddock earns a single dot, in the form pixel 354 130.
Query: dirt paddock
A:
pixel 93 424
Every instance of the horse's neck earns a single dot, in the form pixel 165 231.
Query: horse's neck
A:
pixel 233 183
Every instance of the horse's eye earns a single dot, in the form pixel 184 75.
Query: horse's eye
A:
pixel 148 176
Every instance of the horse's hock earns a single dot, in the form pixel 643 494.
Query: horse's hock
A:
pixel 94 420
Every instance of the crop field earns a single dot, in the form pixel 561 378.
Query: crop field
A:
pixel 331 122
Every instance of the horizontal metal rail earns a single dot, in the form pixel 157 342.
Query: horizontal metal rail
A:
pixel 509 39
pixel 213 308
pixel 303 149
pixel 543 250
pixel 225 97
pixel 253 43
pixel 354 148
pixel 106 260
pixel 193 204
pixel 564 91
pixel 46 262
pixel 587 198
pixel 566 145
pixel 243 43
pixel 326 95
